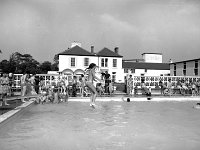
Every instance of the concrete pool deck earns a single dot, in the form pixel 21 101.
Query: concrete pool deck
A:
pixel 10 114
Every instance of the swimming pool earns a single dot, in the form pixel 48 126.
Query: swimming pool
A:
pixel 115 125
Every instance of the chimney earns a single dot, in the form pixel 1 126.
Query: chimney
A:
pixel 116 50
pixel 92 49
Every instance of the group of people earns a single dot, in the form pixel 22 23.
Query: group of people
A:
pixel 59 91
pixel 131 89
pixel 181 86
pixel 168 88
pixel 53 92
pixel 6 82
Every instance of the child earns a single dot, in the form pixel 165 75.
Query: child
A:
pixel 100 89
pixel 193 89
pixel 89 83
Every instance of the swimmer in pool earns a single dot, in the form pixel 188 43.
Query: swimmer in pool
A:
pixel 197 106
pixel 89 83
pixel 127 100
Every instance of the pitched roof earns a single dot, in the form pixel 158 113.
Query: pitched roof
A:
pixel 105 52
pixel 76 50
pixel 186 61
pixel 143 65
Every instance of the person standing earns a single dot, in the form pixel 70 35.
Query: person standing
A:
pixel 89 83
pixel 107 82
pixel 32 82
pixel 130 85
pixel 11 82
pixel 37 81
pixel 4 81
pixel 74 86
pixel 83 81
pixel 24 80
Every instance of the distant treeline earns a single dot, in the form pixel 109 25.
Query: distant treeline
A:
pixel 20 63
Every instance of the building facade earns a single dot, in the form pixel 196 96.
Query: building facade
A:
pixel 150 65
pixel 75 60
pixel 185 68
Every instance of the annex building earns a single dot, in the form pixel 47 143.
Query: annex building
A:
pixel 185 68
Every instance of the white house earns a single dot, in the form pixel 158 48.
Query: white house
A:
pixel 75 60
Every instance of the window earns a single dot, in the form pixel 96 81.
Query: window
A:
pixel 184 65
pixel 196 65
pixel 132 70
pixel 114 62
pixel 113 76
pixel 196 72
pixel 174 66
pixel 104 62
pixel 125 70
pixel 174 69
pixel 86 62
pixel 184 68
pixel 174 73
pixel 73 62
pixel 184 72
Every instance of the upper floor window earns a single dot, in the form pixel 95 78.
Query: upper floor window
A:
pixel 196 65
pixel 196 68
pixel 114 62
pixel 104 62
pixel 73 62
pixel 86 62
pixel 184 65
pixel 184 68
pixel 174 69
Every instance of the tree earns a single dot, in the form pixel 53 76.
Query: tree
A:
pixel 45 67
pixel 4 65
pixel 54 66
pixel 24 63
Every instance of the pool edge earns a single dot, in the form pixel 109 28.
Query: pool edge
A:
pixel 4 118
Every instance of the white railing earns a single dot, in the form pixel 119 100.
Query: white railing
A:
pixel 150 81
pixel 48 78
pixel 153 81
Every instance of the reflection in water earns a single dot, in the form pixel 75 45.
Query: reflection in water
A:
pixel 114 125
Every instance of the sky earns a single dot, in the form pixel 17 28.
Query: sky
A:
pixel 44 28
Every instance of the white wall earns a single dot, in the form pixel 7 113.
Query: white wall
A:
pixel 152 58
pixel 65 62
pixel 119 71
pixel 138 72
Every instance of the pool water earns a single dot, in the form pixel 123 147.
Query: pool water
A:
pixel 114 125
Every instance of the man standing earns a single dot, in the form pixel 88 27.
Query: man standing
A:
pixel 107 82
